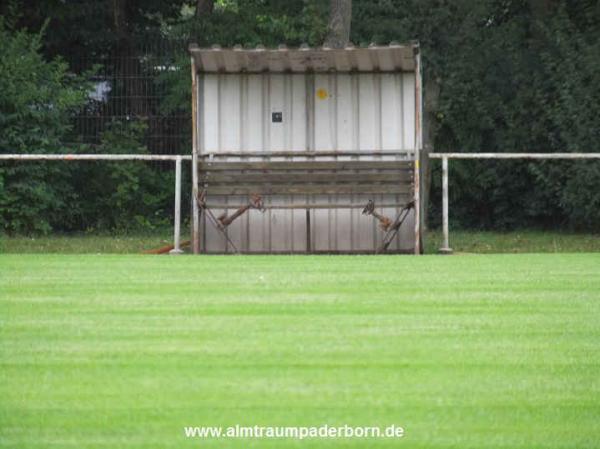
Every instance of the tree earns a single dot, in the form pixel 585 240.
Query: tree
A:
pixel 340 18
pixel 37 98
pixel 204 7
pixel 498 75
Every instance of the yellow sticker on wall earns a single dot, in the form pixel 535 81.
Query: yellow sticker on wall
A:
pixel 322 94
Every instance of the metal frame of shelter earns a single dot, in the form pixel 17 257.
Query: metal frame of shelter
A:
pixel 309 171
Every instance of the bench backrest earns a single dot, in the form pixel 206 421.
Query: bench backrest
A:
pixel 306 177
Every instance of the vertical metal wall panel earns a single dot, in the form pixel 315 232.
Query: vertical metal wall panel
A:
pixel 320 225
pixel 298 226
pixel 252 139
pixel 344 229
pixel 323 111
pixel 209 115
pixel 408 110
pixel 297 119
pixel 366 112
pixel 391 116
pixel 256 223
pixel 277 104
pixel 229 112
pixel 235 231
pixel 346 105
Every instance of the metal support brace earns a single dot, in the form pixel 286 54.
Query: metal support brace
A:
pixel 384 222
pixel 391 233
pixel 255 202
pixel 199 200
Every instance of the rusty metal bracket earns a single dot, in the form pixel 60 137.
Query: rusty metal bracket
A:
pixel 384 222
pixel 255 202
pixel 201 201
pixel 395 227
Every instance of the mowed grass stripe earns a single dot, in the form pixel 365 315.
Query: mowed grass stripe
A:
pixel 495 351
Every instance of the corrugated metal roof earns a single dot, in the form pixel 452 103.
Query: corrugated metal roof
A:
pixel 391 58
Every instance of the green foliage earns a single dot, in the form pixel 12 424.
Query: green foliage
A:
pixel 125 195
pixel 515 79
pixel 37 98
pixel 257 22
pixel 513 75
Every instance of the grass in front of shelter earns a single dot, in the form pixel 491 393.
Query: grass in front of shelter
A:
pixel 526 241
pixel 86 243
pixel 486 242
pixel 485 351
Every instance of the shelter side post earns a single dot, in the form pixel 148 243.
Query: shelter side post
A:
pixel 418 143
pixel 417 207
pixel 195 209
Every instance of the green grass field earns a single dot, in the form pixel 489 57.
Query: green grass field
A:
pixel 480 351
pixel 484 242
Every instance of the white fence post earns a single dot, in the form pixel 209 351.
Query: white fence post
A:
pixel 445 249
pixel 177 225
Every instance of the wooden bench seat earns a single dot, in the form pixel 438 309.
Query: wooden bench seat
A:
pixel 306 177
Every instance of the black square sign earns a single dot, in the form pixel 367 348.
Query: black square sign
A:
pixel 277 117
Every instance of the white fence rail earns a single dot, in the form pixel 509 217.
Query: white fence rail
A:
pixel 93 157
pixel 445 249
pixel 179 158
pixel 121 157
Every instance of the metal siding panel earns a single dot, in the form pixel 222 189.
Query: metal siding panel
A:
pixel 236 230
pixel 344 225
pixel 392 213
pixel 363 227
pixel 298 227
pixel 386 59
pixel 362 111
pixel 391 58
pixel 256 232
pixel 232 61
pixel 209 62
pixel 297 121
pixel 210 113
pixel 391 115
pixel 243 113
pixel 266 113
pixel 254 114
pixel 363 59
pixel 345 111
pixel 377 100
pixel 367 112
pixel 320 225
pixel 229 119
pixel 200 124
pixel 215 241
pixel 310 112
pixel 277 139
pixel 281 232
pixel 331 218
pixel 325 121
pixel 408 110
pixel 407 235
pixel 287 112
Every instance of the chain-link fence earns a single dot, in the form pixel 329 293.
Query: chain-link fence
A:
pixel 132 84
